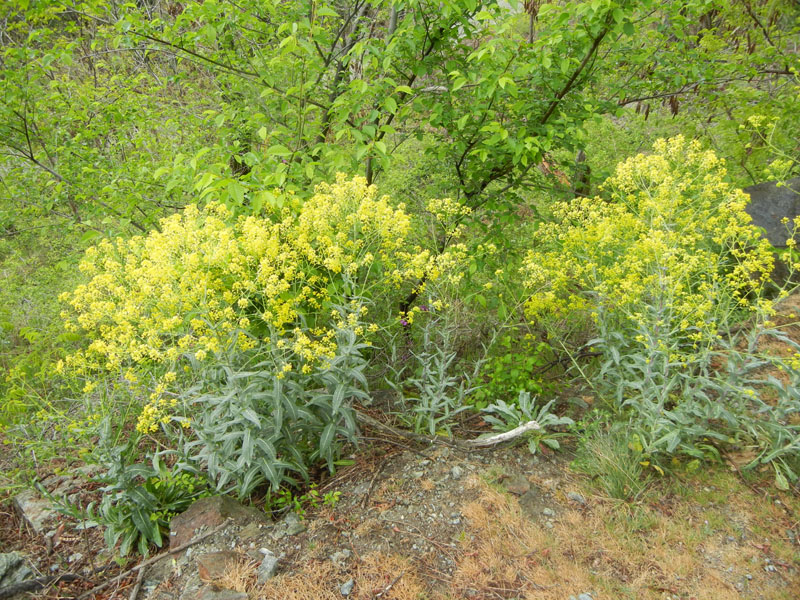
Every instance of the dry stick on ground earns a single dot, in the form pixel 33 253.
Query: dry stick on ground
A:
pixel 155 559
pixel 389 587
pixel 137 586
pixel 378 471
pixel 486 442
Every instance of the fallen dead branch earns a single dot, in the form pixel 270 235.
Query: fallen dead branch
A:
pixel 485 442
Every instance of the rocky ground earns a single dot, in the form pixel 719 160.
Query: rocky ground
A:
pixel 437 522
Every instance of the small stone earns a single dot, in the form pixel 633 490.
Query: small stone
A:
pixel 208 513
pixel 268 566
pixel 548 512
pixel 296 528
pixel 456 472
pixel 739 586
pixel 749 577
pixel 576 497
pixel 75 557
pixel 33 509
pixel 339 558
pixel 548 524
pixel 250 531
pixel 214 565
pixel 417 474
pixel 585 596
pixel 518 485
pixel 347 587
pixel 13 569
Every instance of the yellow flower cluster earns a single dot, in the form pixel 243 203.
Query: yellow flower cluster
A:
pixel 205 280
pixel 449 214
pixel 672 234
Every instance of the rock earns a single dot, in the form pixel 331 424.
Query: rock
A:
pixel 214 565
pixel 770 204
pixel 212 592
pixel 208 513
pixel 289 525
pixel 347 587
pixel 576 497
pixel 251 531
pixel 518 485
pixel 33 509
pixel 339 558
pixel 293 524
pixel 456 472
pixel 585 597
pixel 268 566
pixel 75 557
pixel 361 489
pixel 548 512
pixel 13 569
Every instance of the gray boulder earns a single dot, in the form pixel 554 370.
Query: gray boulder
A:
pixel 770 204
pixel 13 569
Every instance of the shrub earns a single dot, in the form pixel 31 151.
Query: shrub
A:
pixel 672 234
pixel 664 268
pixel 251 426
pixel 269 315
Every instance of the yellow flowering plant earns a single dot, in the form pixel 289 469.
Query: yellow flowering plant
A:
pixel 663 267
pixel 281 291
pixel 670 231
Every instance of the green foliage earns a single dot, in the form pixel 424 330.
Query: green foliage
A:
pixel 252 426
pixel 505 417
pixel 514 368
pixel 430 392
pixel 240 317
pixel 299 504
pixel 667 269
pixel 613 460
pixel 138 499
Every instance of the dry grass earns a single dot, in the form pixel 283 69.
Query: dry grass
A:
pixel 374 575
pixel 692 540
pixel 681 549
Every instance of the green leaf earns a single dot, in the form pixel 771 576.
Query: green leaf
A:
pixel 278 150
pixel 325 11
pixel 780 480
pixel 90 235
pixel 326 439
pixel 236 192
